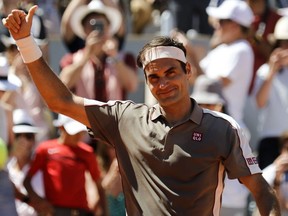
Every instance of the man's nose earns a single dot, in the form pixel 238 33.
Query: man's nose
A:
pixel 162 82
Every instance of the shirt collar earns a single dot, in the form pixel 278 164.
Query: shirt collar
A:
pixel 196 114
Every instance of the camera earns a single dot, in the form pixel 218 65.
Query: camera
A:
pixel 97 25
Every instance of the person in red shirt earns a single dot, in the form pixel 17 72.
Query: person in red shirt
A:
pixel 64 162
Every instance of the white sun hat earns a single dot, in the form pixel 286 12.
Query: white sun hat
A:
pixel 95 6
pixel 236 10
pixel 23 123
pixel 71 126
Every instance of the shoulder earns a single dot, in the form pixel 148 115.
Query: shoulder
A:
pixel 46 144
pixel 219 116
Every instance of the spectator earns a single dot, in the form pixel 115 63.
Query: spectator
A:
pixel 231 62
pixel 7 198
pixel 97 71
pixel 276 174
pixel 63 162
pixel 27 96
pixel 6 89
pixel 19 161
pixel 271 92
pixel 264 22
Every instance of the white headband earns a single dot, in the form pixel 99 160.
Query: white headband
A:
pixel 163 52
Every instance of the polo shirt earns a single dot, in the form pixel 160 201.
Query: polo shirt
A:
pixel 175 170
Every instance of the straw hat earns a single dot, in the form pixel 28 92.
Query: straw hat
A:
pixel 95 6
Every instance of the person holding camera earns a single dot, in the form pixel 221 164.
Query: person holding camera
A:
pixel 271 92
pixel 98 71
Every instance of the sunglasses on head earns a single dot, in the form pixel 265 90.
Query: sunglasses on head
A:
pixel 29 136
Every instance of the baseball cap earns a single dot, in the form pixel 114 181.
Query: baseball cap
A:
pixel 95 6
pixel 71 126
pixel 23 123
pixel 236 10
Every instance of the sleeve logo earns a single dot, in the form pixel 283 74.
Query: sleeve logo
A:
pixel 252 161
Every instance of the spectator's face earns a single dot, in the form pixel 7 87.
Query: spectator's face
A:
pixel 167 81
pixel 226 30
pixel 23 144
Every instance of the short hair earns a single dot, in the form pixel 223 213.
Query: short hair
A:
pixel 158 41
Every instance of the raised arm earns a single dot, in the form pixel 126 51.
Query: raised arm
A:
pixel 56 95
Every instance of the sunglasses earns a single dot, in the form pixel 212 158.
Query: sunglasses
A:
pixel 28 136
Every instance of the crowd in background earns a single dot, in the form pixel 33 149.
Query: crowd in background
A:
pixel 244 73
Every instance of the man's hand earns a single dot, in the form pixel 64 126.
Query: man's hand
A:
pixel 19 23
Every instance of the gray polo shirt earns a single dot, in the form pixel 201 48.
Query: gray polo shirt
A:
pixel 175 170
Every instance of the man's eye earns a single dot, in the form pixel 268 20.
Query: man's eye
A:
pixel 171 74
pixel 154 79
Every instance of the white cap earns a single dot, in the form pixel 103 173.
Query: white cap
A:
pixel 23 123
pixel 236 10
pixel 71 126
pixel 281 29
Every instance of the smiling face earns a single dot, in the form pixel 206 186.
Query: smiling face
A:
pixel 167 80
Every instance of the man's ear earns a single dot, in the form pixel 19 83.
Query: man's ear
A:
pixel 188 69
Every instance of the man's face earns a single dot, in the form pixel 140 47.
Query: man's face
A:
pixel 167 80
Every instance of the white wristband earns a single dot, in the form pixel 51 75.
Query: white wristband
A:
pixel 29 49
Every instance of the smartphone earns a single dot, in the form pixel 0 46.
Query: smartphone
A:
pixel 97 25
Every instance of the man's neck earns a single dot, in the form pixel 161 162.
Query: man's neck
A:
pixel 177 113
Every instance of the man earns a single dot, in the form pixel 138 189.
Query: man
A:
pixel 64 162
pixel 98 71
pixel 20 158
pixel 172 157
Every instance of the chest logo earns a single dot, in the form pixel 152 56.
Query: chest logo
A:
pixel 197 136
